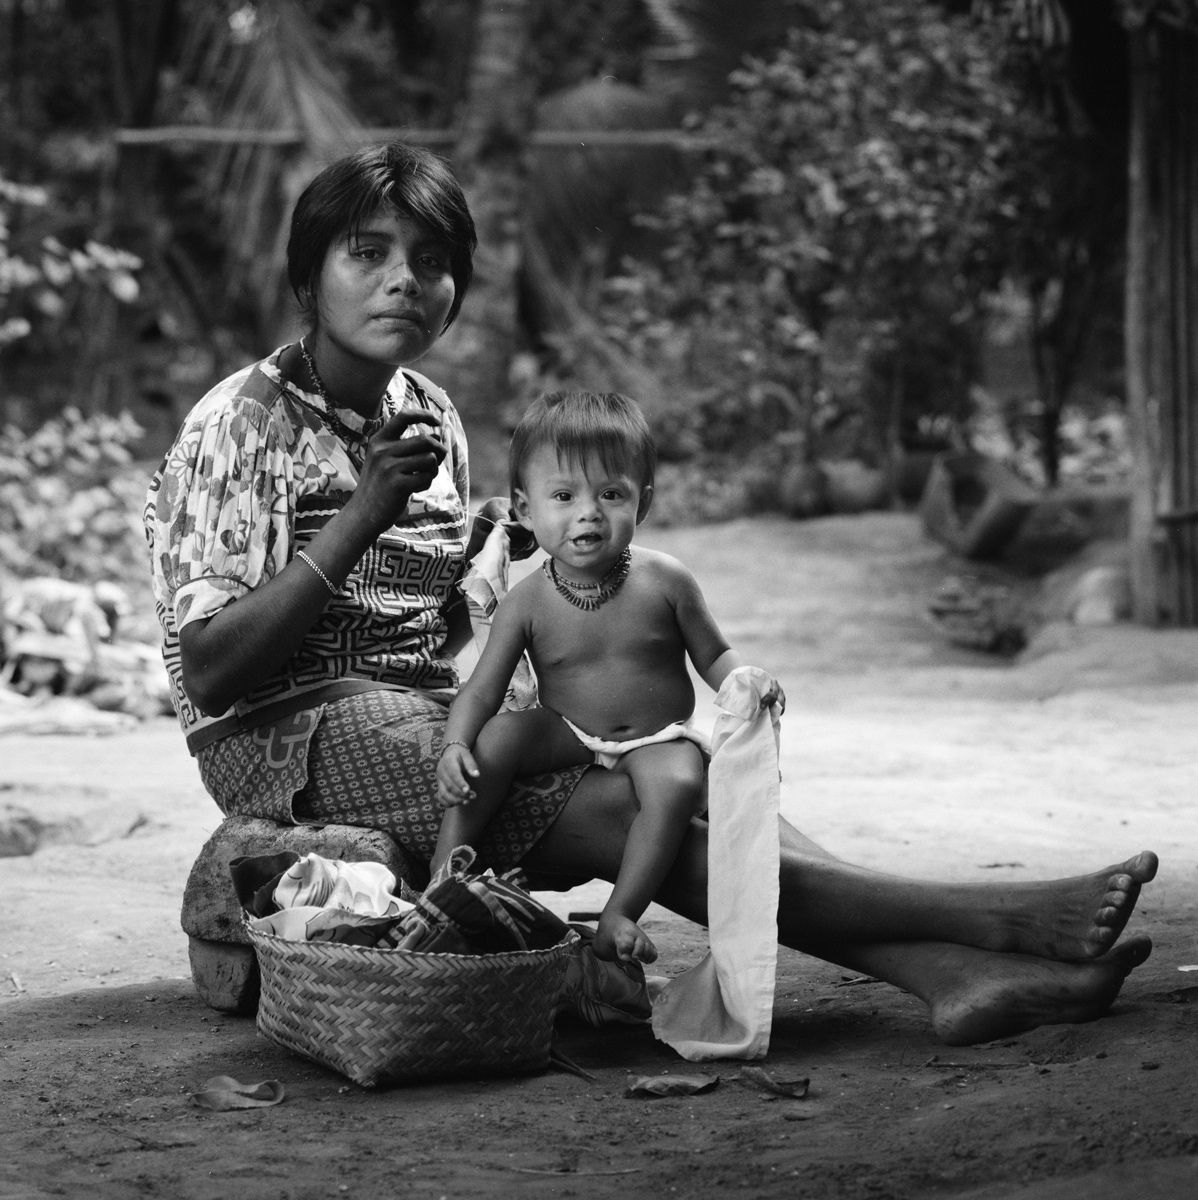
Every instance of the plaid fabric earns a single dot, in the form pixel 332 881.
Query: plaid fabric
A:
pixel 370 760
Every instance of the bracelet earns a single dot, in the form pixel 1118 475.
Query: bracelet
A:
pixel 333 591
pixel 455 742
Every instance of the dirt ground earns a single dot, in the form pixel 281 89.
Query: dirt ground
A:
pixel 900 752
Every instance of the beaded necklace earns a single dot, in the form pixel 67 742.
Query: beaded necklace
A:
pixel 330 417
pixel 590 596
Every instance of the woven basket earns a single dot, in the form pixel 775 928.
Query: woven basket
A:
pixel 397 1016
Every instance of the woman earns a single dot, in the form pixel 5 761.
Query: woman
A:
pixel 307 529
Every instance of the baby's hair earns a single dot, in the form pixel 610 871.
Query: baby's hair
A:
pixel 579 425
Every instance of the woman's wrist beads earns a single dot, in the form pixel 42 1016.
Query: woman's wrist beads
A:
pixel 333 591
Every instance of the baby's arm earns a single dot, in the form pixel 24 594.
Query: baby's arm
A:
pixel 480 698
pixel 706 646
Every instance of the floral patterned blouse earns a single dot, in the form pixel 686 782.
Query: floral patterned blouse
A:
pixel 253 474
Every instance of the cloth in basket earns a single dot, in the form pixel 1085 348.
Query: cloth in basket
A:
pixel 354 903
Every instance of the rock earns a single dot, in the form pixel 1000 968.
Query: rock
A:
pixel 224 967
pixel 802 491
pixel 20 832
pixel 1102 596
pixel 853 487
pixel 982 616
pixel 1092 589
pixel 225 975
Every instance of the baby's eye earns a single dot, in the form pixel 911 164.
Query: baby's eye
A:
pixel 561 496
pixel 613 494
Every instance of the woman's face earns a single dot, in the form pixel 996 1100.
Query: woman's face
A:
pixel 386 291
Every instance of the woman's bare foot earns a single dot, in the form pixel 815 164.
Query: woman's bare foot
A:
pixel 996 995
pixel 1073 920
pixel 618 937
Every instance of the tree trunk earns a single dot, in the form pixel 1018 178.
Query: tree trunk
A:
pixel 106 376
pixel 473 361
pixel 1046 364
pixel 1146 600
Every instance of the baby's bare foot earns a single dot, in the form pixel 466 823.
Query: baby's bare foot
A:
pixel 1006 994
pixel 1077 919
pixel 618 937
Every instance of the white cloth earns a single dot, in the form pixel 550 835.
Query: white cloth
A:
pixel 485 584
pixel 608 752
pixel 364 888
pixel 723 1008
pixel 319 893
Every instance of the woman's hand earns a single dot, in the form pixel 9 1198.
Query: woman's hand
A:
pixel 497 511
pixel 455 769
pixel 398 465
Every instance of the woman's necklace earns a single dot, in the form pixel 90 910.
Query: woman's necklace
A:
pixel 589 596
pixel 330 417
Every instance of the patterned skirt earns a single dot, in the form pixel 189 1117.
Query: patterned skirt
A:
pixel 370 760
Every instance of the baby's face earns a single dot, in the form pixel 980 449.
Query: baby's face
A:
pixel 582 514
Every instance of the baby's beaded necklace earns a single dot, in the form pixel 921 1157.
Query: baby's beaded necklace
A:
pixel 590 596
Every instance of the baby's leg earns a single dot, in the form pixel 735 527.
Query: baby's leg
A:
pixel 511 745
pixel 669 780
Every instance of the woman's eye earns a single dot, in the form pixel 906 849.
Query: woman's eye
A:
pixel 366 253
pixel 432 262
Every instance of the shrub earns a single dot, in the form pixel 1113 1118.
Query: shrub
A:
pixel 847 220
pixel 71 501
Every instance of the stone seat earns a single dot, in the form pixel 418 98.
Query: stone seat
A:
pixel 224 967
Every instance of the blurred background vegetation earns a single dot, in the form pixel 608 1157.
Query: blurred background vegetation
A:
pixel 818 239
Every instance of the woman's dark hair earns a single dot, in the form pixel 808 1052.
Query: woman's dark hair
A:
pixel 579 425
pixel 410 179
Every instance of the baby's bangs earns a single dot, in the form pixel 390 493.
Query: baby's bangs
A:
pixel 577 447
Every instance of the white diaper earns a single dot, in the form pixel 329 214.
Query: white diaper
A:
pixel 608 752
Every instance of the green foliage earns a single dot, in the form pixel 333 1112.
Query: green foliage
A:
pixel 856 192
pixel 55 69
pixel 53 279
pixel 39 275
pixel 1093 445
pixel 589 39
pixel 70 505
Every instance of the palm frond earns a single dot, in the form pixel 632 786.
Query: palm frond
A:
pixel 262 66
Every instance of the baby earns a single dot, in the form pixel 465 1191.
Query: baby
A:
pixel 608 631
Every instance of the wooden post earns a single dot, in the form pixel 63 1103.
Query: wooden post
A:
pixel 1161 308
pixel 1145 599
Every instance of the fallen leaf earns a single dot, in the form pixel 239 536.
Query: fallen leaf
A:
pixel 222 1093
pixel 792 1089
pixel 670 1085
pixel 855 980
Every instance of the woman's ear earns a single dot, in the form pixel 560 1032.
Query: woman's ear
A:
pixel 520 508
pixel 645 503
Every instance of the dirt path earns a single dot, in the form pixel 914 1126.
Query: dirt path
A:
pixel 899 752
